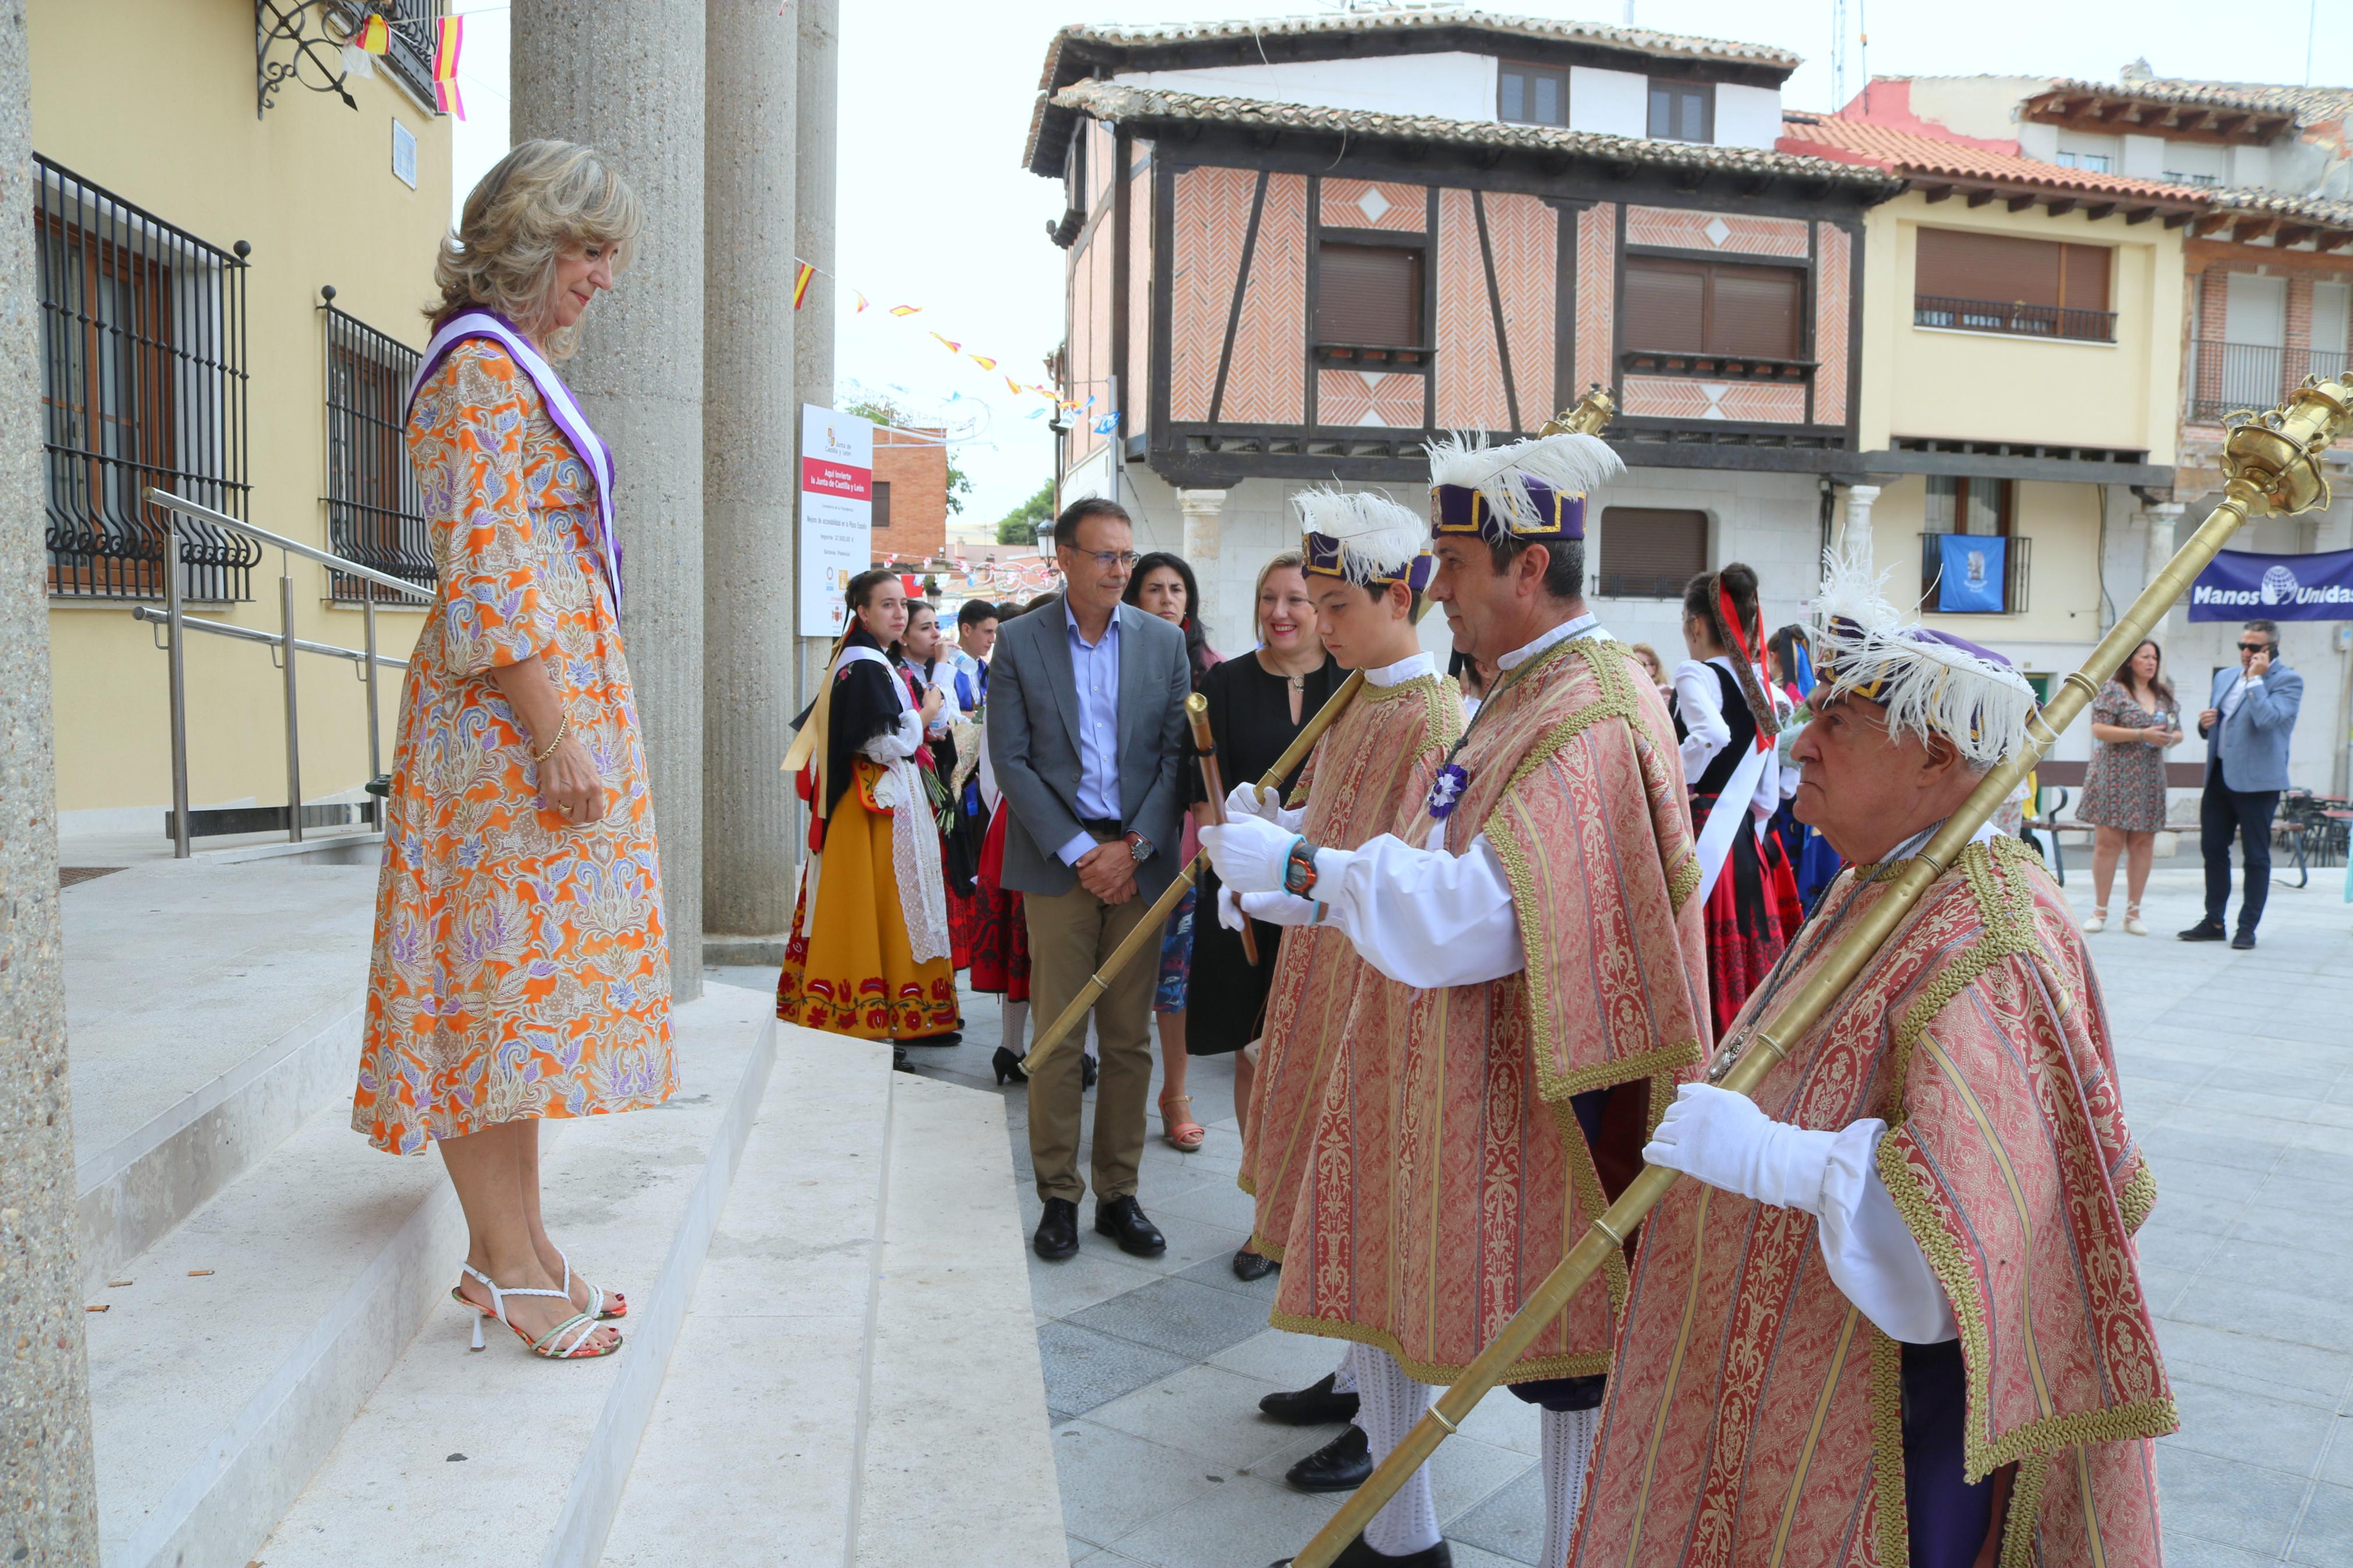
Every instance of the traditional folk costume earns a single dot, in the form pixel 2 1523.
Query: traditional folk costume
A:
pixel 1544 956
pixel 869 953
pixel 1904 1325
pixel 1725 720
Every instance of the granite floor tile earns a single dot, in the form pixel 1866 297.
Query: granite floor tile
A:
pixel 2220 1301
pixel 1215 1200
pixel 2230 1423
pixel 1219 1273
pixel 1084 1369
pixel 1510 1524
pixel 2189 1551
pixel 1094 1276
pixel 1464 1473
pixel 1502 1422
pixel 2224 1500
pixel 2269 1369
pixel 1284 1360
pixel 1245 1522
pixel 2295 1270
pixel 2324 1539
pixel 1112 1481
pixel 2337 1464
pixel 2177 1137
pixel 1179 1316
pixel 1474 1557
pixel 1213 1415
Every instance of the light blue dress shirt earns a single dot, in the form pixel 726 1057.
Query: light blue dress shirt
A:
pixel 1094 672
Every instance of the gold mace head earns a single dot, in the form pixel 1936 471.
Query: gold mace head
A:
pixel 1585 416
pixel 2278 454
pixel 1196 713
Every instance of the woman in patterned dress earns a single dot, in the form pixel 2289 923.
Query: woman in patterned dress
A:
pixel 2135 721
pixel 520 967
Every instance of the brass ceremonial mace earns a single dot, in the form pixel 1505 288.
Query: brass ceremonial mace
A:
pixel 2272 458
pixel 1590 413
pixel 1196 714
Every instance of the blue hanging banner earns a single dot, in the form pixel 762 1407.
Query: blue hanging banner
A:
pixel 2242 585
pixel 1974 576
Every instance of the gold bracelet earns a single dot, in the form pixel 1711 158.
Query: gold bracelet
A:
pixel 564 724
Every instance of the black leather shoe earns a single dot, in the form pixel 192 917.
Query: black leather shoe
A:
pixel 1248 1265
pixel 2243 941
pixel 1058 1230
pixel 1339 1466
pixel 1087 1073
pixel 2205 931
pixel 947 1037
pixel 1356 1554
pixel 1314 1405
pixel 1008 1068
pixel 1122 1220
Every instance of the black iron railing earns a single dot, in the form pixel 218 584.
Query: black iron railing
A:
pixel 2015 320
pixel 2225 376
pixel 143 383
pixel 1696 364
pixel 376 514
pixel 410 57
pixel 1981 589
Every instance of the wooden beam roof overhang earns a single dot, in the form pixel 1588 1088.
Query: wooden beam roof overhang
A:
pixel 2111 111
pixel 2094 204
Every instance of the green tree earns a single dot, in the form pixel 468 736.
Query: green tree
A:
pixel 1020 525
pixel 883 411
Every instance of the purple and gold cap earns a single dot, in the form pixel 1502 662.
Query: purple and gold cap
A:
pixel 1531 490
pixel 1363 537
pixel 1930 682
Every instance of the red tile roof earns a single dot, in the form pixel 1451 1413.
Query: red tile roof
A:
pixel 1924 155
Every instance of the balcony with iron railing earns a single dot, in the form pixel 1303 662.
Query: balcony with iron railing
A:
pixel 2013 318
pixel 2227 376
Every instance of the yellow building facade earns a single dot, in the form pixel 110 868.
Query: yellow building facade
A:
pixel 156 167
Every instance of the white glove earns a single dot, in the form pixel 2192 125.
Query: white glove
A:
pixel 1265 804
pixel 1230 909
pixel 1279 909
pixel 1724 1139
pixel 1248 853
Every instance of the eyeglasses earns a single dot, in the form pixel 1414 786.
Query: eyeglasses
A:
pixel 1106 560
pixel 2243 647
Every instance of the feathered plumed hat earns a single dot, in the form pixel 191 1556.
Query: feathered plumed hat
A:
pixel 1363 537
pixel 1931 682
pixel 1532 491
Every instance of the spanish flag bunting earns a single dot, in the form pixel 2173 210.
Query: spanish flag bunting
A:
pixel 861 298
pixel 449 37
pixel 953 346
pixel 905 309
pixel 375 36
pixel 984 361
pixel 1013 387
pixel 800 283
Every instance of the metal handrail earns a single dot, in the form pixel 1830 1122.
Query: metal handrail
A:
pixel 149 613
pixel 177 620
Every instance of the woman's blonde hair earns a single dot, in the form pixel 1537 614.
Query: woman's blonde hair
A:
pixel 544 200
pixel 1290 559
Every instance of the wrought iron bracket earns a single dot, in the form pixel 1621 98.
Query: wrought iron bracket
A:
pixel 284 44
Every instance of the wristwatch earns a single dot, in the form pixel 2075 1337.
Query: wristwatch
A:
pixel 1139 846
pixel 1299 868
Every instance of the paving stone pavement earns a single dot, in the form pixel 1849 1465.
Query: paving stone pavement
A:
pixel 2238 1079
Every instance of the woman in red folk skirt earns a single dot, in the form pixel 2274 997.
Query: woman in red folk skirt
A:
pixel 1725 717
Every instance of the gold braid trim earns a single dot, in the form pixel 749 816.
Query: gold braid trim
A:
pixel 2019 1530
pixel 1587 1364
pixel 1684 880
pixel 2139 1195
pixel 1887 1448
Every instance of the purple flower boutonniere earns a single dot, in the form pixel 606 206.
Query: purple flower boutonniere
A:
pixel 1445 792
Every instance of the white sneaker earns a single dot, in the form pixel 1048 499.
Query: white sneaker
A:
pixel 2097 923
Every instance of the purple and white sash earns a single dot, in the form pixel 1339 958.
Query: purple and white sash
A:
pixel 594 453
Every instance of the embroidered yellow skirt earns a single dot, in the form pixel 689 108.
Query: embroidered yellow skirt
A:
pixel 850 970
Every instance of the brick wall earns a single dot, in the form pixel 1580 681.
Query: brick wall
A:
pixel 916 467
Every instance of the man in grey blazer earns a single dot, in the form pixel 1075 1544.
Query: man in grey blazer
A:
pixel 1086 730
pixel 2251 715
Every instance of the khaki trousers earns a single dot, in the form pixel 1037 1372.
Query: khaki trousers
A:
pixel 1071 936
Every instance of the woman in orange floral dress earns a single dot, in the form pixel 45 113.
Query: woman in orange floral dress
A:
pixel 520 968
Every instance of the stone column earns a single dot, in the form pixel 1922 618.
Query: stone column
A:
pixel 816 106
pixel 629 80
pixel 2156 549
pixel 1203 533
pixel 1856 538
pixel 750 416
pixel 49 1491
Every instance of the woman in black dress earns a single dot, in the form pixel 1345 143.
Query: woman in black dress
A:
pixel 1258 704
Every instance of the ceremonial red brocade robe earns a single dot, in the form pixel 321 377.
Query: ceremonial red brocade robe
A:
pixel 1449 1172
pixel 1369 775
pixel 1752 1415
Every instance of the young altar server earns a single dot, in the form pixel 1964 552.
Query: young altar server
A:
pixel 1538 918
pixel 1368 564
pixel 1896 1317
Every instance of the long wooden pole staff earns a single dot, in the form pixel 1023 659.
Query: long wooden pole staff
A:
pixel 2273 459
pixel 1196 714
pixel 1148 933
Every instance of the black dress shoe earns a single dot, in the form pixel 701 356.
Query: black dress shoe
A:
pixel 2205 931
pixel 899 1061
pixel 1122 1220
pixel 2243 941
pixel 1248 1265
pixel 1339 1466
pixel 1314 1405
pixel 1356 1554
pixel 945 1038
pixel 1058 1230
pixel 1087 1073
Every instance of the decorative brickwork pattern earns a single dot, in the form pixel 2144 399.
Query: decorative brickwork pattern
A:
pixel 1833 257
pixel 1674 397
pixel 1525 235
pixel 1374 203
pixel 1680 228
pixel 1470 372
pixel 916 466
pixel 1213 208
pixel 1267 381
pixel 1392 399
pixel 1597 294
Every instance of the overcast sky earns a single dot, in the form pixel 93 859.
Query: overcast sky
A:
pixel 936 210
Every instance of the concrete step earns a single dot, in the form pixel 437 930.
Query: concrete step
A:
pixel 219 1397
pixel 857 1380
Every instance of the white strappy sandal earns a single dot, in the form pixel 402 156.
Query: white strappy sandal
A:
pixel 596 1308
pixel 551 1344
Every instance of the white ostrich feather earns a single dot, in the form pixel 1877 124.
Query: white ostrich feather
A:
pixel 1936 690
pixel 1377 538
pixel 1572 464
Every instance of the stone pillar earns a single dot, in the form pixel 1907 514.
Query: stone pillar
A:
pixel 629 80
pixel 1856 537
pixel 49 1491
pixel 816 105
pixel 2156 549
pixel 1203 531
pixel 750 416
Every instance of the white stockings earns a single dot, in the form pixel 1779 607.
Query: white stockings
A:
pixel 1388 1404
pixel 1567 1443
pixel 1344 1376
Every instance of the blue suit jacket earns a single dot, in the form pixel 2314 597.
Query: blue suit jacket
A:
pixel 2251 744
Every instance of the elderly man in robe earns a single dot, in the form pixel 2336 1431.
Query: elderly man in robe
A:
pixel 1898 1316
